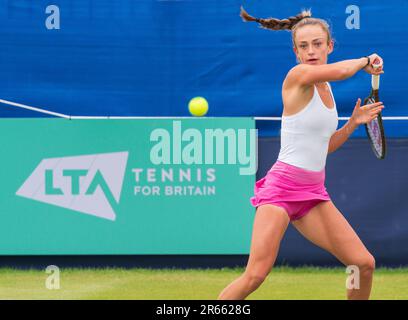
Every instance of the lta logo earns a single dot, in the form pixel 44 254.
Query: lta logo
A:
pixel 89 184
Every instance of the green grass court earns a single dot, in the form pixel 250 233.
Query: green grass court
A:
pixel 201 284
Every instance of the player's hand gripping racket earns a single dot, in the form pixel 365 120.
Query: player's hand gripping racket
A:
pixel 375 128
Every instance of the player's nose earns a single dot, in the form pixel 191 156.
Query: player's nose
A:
pixel 310 51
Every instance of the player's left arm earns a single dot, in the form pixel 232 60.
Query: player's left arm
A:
pixel 341 135
pixel 360 115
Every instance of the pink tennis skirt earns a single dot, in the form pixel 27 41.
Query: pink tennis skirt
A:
pixel 294 189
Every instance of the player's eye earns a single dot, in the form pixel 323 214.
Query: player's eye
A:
pixel 318 44
pixel 303 46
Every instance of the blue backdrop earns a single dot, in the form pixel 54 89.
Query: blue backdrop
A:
pixel 150 57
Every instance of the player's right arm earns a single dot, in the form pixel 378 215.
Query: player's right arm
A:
pixel 307 75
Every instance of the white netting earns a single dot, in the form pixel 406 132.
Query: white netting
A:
pixel 374 132
pixel 375 135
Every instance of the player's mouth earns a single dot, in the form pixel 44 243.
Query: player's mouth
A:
pixel 312 61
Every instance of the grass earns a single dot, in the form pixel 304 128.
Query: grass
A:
pixel 283 283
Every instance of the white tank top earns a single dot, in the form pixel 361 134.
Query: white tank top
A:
pixel 305 135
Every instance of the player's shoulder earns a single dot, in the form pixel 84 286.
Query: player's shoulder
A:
pixel 297 71
pixel 294 76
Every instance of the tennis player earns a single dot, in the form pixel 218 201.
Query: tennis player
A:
pixel 293 189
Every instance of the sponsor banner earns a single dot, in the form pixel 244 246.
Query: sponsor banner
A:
pixel 128 186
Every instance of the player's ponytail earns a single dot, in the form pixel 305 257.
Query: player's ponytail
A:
pixel 276 24
pixel 290 24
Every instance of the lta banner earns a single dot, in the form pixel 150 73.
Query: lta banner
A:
pixel 127 186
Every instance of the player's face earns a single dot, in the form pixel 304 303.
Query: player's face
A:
pixel 311 45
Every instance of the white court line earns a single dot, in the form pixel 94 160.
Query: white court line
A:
pixel 19 105
pixel 61 115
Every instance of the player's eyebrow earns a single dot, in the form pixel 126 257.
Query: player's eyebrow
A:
pixel 312 40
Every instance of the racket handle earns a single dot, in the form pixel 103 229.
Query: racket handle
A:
pixel 375 79
pixel 375 82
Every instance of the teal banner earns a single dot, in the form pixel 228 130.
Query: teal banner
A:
pixel 127 186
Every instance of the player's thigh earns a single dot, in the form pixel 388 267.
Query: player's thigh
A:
pixel 269 227
pixel 326 227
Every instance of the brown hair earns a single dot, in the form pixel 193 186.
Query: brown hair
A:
pixel 290 24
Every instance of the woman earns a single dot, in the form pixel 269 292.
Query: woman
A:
pixel 293 189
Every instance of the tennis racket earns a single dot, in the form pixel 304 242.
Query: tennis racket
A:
pixel 375 128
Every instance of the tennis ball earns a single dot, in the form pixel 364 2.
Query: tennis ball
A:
pixel 198 106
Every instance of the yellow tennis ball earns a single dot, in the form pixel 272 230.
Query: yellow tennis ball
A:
pixel 198 106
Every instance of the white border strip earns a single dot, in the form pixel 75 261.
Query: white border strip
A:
pixel 340 118
pixel 130 117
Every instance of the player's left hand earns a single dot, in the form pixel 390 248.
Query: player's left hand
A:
pixel 366 113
